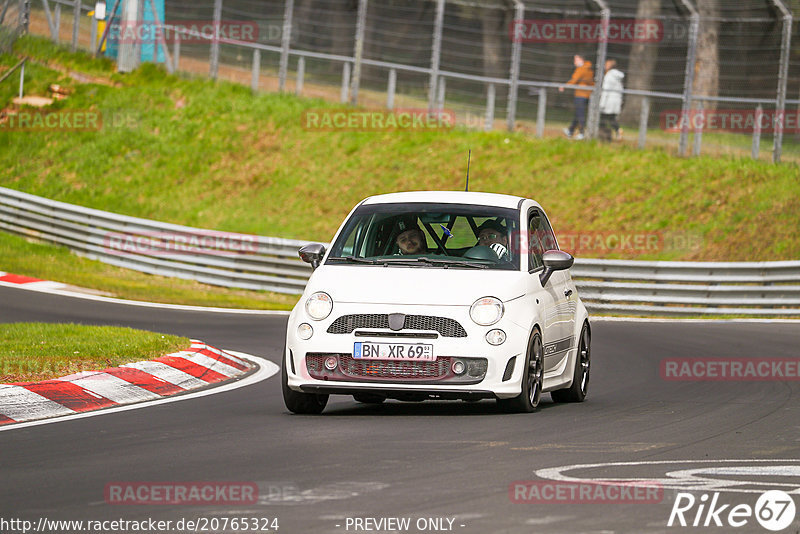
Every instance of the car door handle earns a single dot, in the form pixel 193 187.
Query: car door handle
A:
pixel 567 293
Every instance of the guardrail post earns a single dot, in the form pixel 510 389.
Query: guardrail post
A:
pixel 286 39
pixel 57 20
pixel 698 131
pixel 440 94
pixel 256 74
pixel 345 82
pixel 49 17
pixel 754 152
pixel 513 75
pixel 540 112
pixel 390 89
pixel 301 74
pixel 688 76
pixel 593 118
pixel 358 52
pixel 76 23
pixel 22 79
pixel 93 34
pixel 128 55
pixel 644 115
pixel 214 54
pixel 783 75
pixel 176 51
pixel 488 122
pixel 436 52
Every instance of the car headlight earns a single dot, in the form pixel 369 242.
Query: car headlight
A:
pixel 319 305
pixel 486 311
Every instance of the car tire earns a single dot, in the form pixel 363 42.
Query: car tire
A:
pixel 369 398
pixel 298 402
pixel 528 399
pixel 580 375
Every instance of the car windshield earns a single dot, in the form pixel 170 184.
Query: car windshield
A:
pixel 429 235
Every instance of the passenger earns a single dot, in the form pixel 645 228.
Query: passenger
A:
pixel 492 234
pixel 412 241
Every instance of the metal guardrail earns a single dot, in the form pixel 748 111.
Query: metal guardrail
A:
pixel 662 288
pixel 218 258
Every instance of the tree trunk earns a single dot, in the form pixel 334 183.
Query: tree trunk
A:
pixel 641 64
pixel 706 68
pixel 495 42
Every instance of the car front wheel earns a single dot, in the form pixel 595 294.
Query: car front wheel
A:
pixel 580 376
pixel 528 399
pixel 297 401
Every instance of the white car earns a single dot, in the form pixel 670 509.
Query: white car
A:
pixel 438 295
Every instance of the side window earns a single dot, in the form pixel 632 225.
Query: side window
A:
pixel 540 238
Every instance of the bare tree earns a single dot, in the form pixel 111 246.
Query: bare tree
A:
pixel 641 63
pixel 495 22
pixel 706 67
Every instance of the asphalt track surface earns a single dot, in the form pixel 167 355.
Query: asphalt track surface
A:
pixel 451 460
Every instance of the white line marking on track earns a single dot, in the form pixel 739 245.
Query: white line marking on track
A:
pixel 180 307
pixel 688 479
pixel 266 370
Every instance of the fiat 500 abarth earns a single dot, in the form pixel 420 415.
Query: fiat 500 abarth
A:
pixel 438 295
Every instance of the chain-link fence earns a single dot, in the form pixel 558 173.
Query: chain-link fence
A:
pixel 716 75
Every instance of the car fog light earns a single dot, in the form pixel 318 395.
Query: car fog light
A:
pixel 459 367
pixel 495 337
pixel 304 331
pixel 331 363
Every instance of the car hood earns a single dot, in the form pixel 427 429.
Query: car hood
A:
pixel 415 285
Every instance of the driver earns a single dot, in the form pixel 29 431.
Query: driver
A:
pixel 492 234
pixel 412 241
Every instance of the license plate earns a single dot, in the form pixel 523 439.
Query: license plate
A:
pixel 393 351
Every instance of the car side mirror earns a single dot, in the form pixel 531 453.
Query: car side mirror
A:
pixel 555 260
pixel 312 253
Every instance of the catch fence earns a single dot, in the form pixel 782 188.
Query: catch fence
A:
pixel 711 73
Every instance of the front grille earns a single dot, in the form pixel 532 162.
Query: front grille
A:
pixel 379 369
pixel 352 367
pixel 445 326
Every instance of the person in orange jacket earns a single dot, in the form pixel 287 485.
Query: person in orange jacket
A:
pixel 582 77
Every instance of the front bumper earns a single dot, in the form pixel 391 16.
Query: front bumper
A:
pixel 490 371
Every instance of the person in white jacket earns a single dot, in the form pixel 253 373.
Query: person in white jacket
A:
pixel 611 101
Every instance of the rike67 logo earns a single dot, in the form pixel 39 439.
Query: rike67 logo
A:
pixel 774 510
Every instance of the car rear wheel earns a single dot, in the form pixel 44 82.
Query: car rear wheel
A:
pixel 369 398
pixel 528 399
pixel 297 401
pixel 580 376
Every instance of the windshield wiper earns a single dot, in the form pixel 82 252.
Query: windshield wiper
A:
pixel 353 259
pixel 454 263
